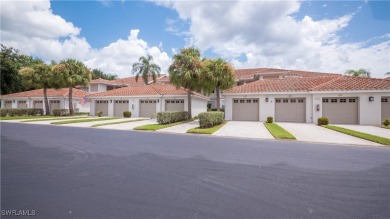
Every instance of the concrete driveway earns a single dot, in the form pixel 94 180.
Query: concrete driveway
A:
pixel 130 125
pixel 314 133
pixel 372 130
pixel 244 129
pixel 182 128
pixel 90 124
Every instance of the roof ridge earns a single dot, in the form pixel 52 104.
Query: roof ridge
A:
pixel 326 83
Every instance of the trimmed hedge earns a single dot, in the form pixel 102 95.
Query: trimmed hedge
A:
pixel 322 121
pixel 60 112
pixel 270 119
pixel 386 122
pixel 210 119
pixel 127 114
pixel 172 117
pixel 20 112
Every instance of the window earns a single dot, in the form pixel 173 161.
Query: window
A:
pixel 248 101
pixel 333 100
pixel 154 101
pixel 182 101
pixel 324 100
pixel 293 100
pixel 168 101
pixel 142 101
pixel 177 101
pixel 277 100
pixel 301 100
pixel 285 100
pixel 235 101
pixel 384 100
pixel 242 101
pixel 352 100
pixel 343 100
pixel 255 101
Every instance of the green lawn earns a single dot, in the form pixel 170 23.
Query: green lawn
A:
pixel 24 117
pixel 55 118
pixel 386 127
pixel 155 127
pixel 278 132
pixel 113 123
pixel 377 139
pixel 208 131
pixel 84 120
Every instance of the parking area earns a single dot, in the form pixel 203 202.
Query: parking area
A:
pixel 244 129
pixel 372 130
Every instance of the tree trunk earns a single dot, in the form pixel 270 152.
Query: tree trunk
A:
pixel 189 102
pixel 47 109
pixel 70 100
pixel 218 99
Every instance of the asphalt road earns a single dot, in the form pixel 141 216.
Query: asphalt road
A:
pixel 64 172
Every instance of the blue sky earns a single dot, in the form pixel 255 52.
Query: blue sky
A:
pixel 328 36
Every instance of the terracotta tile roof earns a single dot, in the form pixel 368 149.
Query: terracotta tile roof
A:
pixel 147 90
pixel 63 92
pixel 250 73
pixel 326 83
pixel 100 81
pixel 131 80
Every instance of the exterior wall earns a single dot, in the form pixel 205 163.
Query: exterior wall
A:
pixel 198 105
pixel 102 87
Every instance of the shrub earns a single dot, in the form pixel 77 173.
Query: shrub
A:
pixel 214 110
pixel 386 122
pixel 270 119
pixel 127 114
pixel 322 121
pixel 20 112
pixel 172 117
pixel 210 119
pixel 99 113
pixel 60 112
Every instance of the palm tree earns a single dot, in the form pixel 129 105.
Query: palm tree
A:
pixel 185 71
pixel 219 75
pixel 387 73
pixel 359 73
pixel 70 73
pixel 38 76
pixel 146 67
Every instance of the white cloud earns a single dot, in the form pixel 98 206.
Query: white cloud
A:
pixel 268 35
pixel 37 31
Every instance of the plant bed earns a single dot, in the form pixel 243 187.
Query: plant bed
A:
pixel 155 127
pixel 114 123
pixel 56 118
pixel 278 132
pixel 207 131
pixel 373 138
pixel 24 117
pixel 83 120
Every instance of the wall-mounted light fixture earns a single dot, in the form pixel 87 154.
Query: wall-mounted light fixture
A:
pixel 158 100
pixel 110 101
pixel 371 99
pixel 132 106
pixel 14 101
pixel 266 99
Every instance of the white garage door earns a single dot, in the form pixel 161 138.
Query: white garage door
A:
pixel 385 101
pixel 102 105
pixel 120 106
pixel 290 110
pixel 147 108
pixel 246 109
pixel 174 105
pixel 8 104
pixel 54 104
pixel 38 104
pixel 22 104
pixel 341 110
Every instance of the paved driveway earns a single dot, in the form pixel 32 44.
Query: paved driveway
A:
pixel 244 129
pixel 89 124
pixel 182 128
pixel 372 130
pixel 130 125
pixel 314 133
pixel 48 122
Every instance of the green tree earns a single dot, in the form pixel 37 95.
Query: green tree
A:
pixel 358 73
pixel 38 76
pixel 185 71
pixel 217 75
pixel 145 67
pixel 387 73
pixel 70 73
pixel 97 73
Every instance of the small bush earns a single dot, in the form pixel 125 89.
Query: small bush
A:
pixel 127 114
pixel 60 112
pixel 99 113
pixel 214 110
pixel 172 117
pixel 386 122
pixel 210 119
pixel 270 119
pixel 21 112
pixel 322 121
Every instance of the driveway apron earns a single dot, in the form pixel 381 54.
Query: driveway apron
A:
pixel 130 125
pixel 244 129
pixel 182 128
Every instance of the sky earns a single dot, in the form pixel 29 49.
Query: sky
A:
pixel 323 36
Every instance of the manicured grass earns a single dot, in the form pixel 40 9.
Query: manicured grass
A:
pixel 83 120
pixel 113 123
pixel 377 139
pixel 155 127
pixel 278 132
pixel 23 117
pixel 208 131
pixel 55 118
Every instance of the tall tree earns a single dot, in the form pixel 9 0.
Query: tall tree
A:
pixel 145 67
pixel 359 73
pixel 387 73
pixel 70 73
pixel 38 76
pixel 185 71
pixel 97 73
pixel 217 75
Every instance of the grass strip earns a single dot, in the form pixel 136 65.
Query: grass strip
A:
pixel 57 118
pixel 278 132
pixel 113 123
pixel 23 117
pixel 374 138
pixel 83 120
pixel 207 131
pixel 155 127
pixel 386 127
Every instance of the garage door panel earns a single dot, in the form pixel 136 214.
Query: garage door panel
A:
pixel 174 105
pixel 120 106
pixel 341 110
pixel 385 108
pixel 147 108
pixel 54 104
pixel 246 109
pixel 38 104
pixel 102 105
pixel 22 104
pixel 290 110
